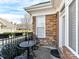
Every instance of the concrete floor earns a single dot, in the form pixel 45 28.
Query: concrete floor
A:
pixel 44 53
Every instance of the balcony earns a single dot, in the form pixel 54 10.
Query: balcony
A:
pixel 9 47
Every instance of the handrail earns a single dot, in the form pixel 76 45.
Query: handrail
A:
pixel 11 38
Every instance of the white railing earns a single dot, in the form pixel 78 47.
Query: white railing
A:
pixel 5 41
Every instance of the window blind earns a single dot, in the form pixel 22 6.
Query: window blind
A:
pixel 72 25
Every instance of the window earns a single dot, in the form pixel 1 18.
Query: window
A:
pixel 72 25
pixel 40 26
pixel 63 30
pixel 40 32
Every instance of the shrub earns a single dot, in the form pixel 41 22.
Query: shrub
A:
pixel 4 36
pixel 7 34
pixel 18 34
pixel 28 33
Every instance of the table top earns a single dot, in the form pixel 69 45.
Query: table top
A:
pixel 21 57
pixel 26 44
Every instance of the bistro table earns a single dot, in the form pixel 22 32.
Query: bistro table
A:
pixel 27 45
pixel 21 57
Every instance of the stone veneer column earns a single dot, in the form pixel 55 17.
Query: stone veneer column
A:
pixel 34 24
pixel 51 27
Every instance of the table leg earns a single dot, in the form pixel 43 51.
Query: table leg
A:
pixel 28 54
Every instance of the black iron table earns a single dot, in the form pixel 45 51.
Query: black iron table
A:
pixel 27 45
pixel 21 57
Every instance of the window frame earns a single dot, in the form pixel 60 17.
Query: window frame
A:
pixel 72 29
pixel 67 31
pixel 40 26
pixel 62 14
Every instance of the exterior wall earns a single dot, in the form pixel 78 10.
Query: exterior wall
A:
pixel 50 28
pixel 6 26
pixel 56 3
pixel 34 25
pixel 5 29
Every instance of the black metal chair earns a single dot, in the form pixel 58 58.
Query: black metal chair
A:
pixel 20 50
pixel 35 38
pixel 25 38
pixel 9 51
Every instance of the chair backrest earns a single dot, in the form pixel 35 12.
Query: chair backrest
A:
pixel 36 39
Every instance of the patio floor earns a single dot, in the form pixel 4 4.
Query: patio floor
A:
pixel 43 53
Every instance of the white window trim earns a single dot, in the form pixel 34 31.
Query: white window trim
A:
pixel 67 30
pixel 77 26
pixel 60 30
pixel 60 26
pixel 61 15
pixel 44 26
